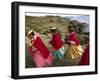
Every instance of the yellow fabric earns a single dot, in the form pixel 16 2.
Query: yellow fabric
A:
pixel 75 50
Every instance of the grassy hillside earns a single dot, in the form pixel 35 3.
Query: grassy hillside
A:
pixel 41 25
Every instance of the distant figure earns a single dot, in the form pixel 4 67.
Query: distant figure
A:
pixel 57 44
pixel 74 47
pixel 39 52
pixel 85 57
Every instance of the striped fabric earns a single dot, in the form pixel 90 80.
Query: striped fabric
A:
pixel 59 53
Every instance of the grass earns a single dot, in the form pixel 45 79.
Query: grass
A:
pixel 66 61
pixel 41 25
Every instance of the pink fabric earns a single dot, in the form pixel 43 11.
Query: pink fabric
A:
pixel 49 60
pixel 36 34
pixel 56 41
pixel 73 37
pixel 37 57
pixel 39 60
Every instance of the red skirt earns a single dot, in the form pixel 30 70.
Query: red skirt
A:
pixel 85 57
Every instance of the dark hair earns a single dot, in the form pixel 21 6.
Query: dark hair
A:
pixel 70 28
pixel 32 33
pixel 53 30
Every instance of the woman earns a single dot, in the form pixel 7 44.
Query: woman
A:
pixel 39 52
pixel 85 57
pixel 57 44
pixel 74 47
